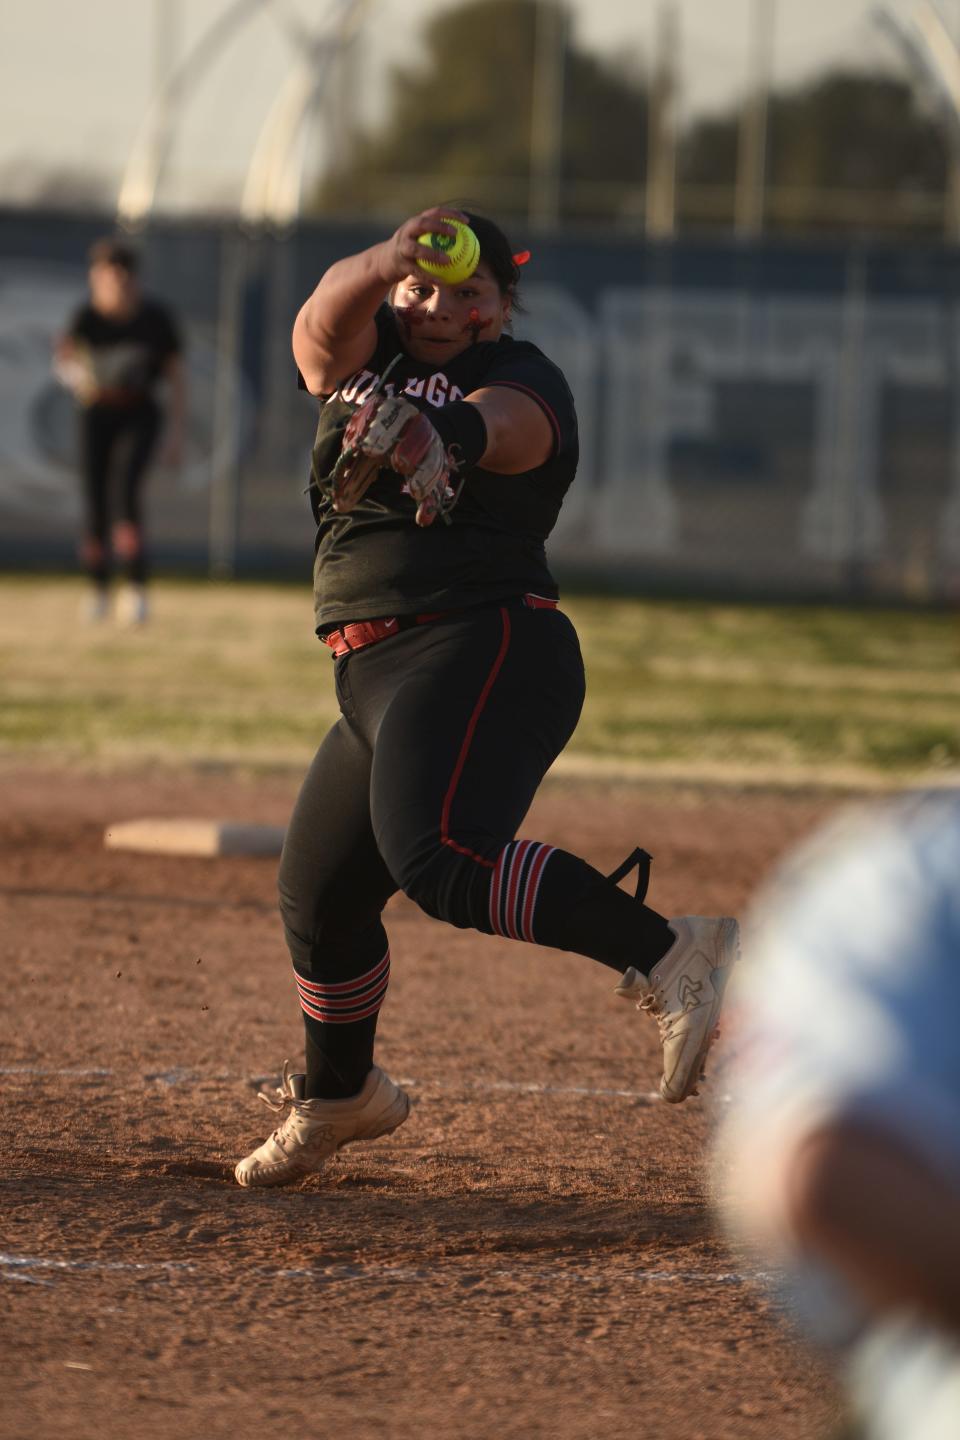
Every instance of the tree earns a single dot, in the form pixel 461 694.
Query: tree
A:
pixel 459 124
pixel 843 150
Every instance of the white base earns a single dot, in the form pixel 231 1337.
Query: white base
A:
pixel 206 838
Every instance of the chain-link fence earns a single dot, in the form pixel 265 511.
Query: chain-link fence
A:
pixel 758 419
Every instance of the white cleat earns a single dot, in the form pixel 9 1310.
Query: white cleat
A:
pixel 314 1130
pixel 96 606
pixel 684 994
pixel 132 608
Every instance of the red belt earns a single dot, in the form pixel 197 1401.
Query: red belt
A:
pixel 369 632
pixel 119 399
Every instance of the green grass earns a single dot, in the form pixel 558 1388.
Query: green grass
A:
pixel 797 691
pixel 233 674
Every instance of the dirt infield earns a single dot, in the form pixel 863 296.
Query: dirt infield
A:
pixel 530 1255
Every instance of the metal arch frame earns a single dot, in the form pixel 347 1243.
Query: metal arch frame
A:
pixel 931 51
pixel 926 42
pixel 285 121
pixel 273 190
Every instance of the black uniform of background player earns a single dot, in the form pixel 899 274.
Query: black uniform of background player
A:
pixel 129 357
pixel 448 724
pixel 119 362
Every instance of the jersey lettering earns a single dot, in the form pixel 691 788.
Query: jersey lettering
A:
pixel 437 387
pixel 368 390
pixel 351 390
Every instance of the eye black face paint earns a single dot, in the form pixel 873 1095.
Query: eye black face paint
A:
pixel 474 325
pixel 407 317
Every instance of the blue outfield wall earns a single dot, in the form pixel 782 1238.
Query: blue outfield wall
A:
pixel 773 419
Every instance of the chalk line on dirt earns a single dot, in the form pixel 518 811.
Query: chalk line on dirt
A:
pixel 44 1070
pixel 182 1076
pixel 17 1267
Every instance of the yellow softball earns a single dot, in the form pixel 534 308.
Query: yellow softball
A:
pixel 462 251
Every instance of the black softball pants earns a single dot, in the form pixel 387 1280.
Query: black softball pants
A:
pixel 117 443
pixel 446 732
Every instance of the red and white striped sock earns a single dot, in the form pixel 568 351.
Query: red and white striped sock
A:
pixel 349 999
pixel 514 888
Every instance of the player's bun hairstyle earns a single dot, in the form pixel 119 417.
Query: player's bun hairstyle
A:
pixel 497 251
pixel 114 252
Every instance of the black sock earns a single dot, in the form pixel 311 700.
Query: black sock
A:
pixel 339 1057
pixel 579 909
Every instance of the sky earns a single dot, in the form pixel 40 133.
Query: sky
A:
pixel 75 79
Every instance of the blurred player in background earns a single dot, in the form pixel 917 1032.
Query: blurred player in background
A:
pixel 444 449
pixel 116 352
pixel 839 1158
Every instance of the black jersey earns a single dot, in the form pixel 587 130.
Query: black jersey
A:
pixel 126 357
pixel 375 560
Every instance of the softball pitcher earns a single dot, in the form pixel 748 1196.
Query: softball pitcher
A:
pixel 444 449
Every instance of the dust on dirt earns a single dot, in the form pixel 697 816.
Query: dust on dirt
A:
pixel 532 1254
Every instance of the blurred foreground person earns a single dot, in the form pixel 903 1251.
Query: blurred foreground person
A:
pixel 117 350
pixel 839 1159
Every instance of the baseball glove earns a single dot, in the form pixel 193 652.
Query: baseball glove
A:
pixel 389 433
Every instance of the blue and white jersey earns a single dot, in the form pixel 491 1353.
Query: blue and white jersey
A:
pixel 847 1005
pixel 849 996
